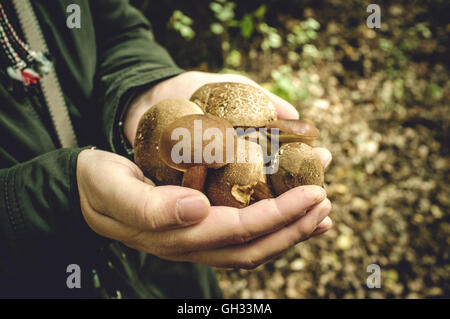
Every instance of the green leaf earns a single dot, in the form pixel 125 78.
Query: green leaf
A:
pixel 247 26
pixel 423 28
pixel 260 12
pixel 225 15
pixel 234 59
pixel 215 7
pixel 275 40
pixel 187 32
pixel 234 23
pixel 386 45
pixel 311 23
pixel 186 20
pixel 310 50
pixel 435 91
pixel 180 16
pixel 225 45
pixel 216 28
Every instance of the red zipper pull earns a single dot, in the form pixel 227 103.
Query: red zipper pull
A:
pixel 29 78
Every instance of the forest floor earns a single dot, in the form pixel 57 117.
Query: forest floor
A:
pixel 386 122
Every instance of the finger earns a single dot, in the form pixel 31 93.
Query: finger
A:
pixel 324 155
pixel 323 227
pixel 108 227
pixel 253 254
pixel 228 226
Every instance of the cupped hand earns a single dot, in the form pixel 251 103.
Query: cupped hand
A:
pixel 178 223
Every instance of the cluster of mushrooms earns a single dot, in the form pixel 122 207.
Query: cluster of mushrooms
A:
pixel 228 105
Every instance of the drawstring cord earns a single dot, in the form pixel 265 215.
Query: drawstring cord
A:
pixel 25 65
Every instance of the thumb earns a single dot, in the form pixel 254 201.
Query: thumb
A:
pixel 285 110
pixel 148 207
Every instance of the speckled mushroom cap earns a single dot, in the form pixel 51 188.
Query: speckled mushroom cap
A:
pixel 232 184
pixel 150 128
pixel 298 165
pixel 240 104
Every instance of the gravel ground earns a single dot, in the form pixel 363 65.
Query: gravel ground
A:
pixel 388 132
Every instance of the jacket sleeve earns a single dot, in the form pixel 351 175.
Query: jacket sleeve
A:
pixel 39 205
pixel 129 58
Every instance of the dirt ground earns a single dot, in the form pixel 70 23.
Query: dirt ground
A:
pixel 388 182
pixel 381 101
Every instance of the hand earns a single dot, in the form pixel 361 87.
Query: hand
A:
pixel 183 86
pixel 178 223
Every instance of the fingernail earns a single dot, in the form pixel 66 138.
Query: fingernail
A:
pixel 323 227
pixel 192 209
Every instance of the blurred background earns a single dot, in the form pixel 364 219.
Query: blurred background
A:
pixel 381 100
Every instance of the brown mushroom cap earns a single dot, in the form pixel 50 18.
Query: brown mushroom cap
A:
pixel 240 104
pixel 262 191
pixel 232 185
pixel 298 165
pixel 294 131
pixel 148 134
pixel 197 143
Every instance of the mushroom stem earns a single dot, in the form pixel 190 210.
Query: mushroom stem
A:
pixel 195 178
pixel 262 191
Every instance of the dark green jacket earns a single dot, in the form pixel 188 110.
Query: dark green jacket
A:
pixel 42 230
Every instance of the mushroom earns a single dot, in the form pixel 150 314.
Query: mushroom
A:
pixel 171 148
pixel 294 131
pixel 242 105
pixel 206 141
pixel 262 191
pixel 148 134
pixel 234 184
pixel 298 165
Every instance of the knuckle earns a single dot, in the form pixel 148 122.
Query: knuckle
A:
pixel 169 244
pixel 143 213
pixel 250 263
pixel 272 208
pixel 296 237
pixel 303 233
pixel 242 234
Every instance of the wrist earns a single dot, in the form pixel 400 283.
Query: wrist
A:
pixel 133 113
pixel 140 102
